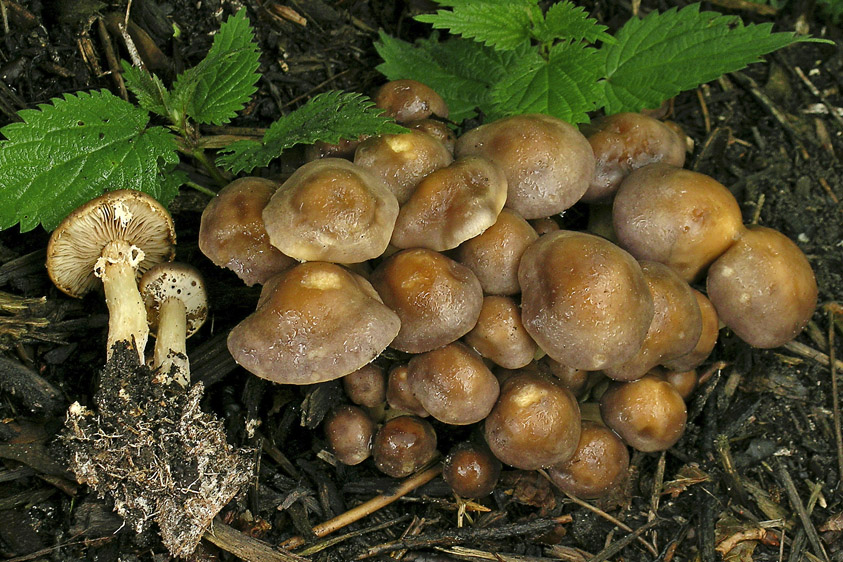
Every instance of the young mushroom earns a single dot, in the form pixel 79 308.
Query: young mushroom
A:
pixel 471 470
pixel 113 239
pixel 176 307
pixel 403 445
pixel 350 431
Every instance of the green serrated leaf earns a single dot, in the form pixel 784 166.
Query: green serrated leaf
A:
pixel 565 85
pixel 570 22
pixel 461 71
pixel 69 152
pixel 663 54
pixel 223 82
pixel 148 88
pixel 500 24
pixel 327 117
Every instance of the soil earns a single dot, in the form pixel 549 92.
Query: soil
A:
pixel 759 460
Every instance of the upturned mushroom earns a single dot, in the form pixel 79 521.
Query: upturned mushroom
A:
pixel 112 239
pixel 176 307
pixel 314 322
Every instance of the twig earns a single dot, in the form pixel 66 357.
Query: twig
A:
pixel 322 545
pixel 368 507
pixel 796 504
pixel 465 553
pixel 245 547
pixel 658 484
pixel 615 522
pixel 111 58
pixel 620 544
pixel 827 188
pixel 814 90
pixel 835 399
pixel 810 353
pixel 704 108
pixel 471 535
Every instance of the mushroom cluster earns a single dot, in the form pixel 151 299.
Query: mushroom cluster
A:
pixel 450 251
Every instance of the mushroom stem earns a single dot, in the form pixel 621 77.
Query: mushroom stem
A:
pixel 170 357
pixel 117 268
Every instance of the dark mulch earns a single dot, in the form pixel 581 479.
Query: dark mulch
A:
pixel 759 456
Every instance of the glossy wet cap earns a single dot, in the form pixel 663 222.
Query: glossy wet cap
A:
pixel 366 386
pixel 409 100
pixel 403 445
pixel 331 210
pixel 534 424
pixel 677 217
pixel 453 384
pixel 547 162
pixel 707 341
pixel 350 431
pixel 584 300
pixel 763 288
pixel 599 465
pixel 471 470
pixel 314 322
pixel 437 299
pixel 499 334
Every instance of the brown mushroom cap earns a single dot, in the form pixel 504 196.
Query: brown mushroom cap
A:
pixel 402 160
pixel 409 100
pixel 624 142
pixel 451 205
pixel 471 470
pixel 403 445
pixel 685 382
pixel 648 414
pixel 453 384
pixel 499 334
pixel 436 129
pixel 677 217
pixel 77 243
pixel 763 288
pixel 232 234
pixel 675 329
pixel 399 395
pixel 366 386
pixel 548 163
pixel 708 338
pixel 584 300
pixel 350 431
pixel 599 465
pixel 437 299
pixel 494 255
pixel 575 380
pixel 316 322
pixel 534 424
pixel 331 210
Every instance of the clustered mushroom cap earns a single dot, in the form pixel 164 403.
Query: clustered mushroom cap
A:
pixel 399 395
pixel 409 100
pixel 624 142
pixel 403 445
pixel 677 217
pixel 675 329
pixel 494 255
pixel 366 386
pixel 331 210
pixel 451 205
pixel 437 299
pixel 314 322
pixel 232 233
pixel 649 414
pixel 599 464
pixel 350 431
pixel 438 130
pixel 499 334
pixel 708 338
pixel 471 470
pixel 175 281
pixel 584 301
pixel 547 162
pixel 575 380
pixel 77 243
pixel 402 160
pixel 453 384
pixel 763 288
pixel 534 424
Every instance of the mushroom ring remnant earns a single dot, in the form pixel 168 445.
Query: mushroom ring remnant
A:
pixel 113 239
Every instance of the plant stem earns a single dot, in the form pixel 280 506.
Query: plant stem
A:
pixel 218 175
pixel 200 188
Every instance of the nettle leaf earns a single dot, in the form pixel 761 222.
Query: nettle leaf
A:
pixel 69 152
pixel 663 54
pixel 222 84
pixel 461 71
pixel 565 85
pixel 501 24
pixel 148 88
pixel 568 21
pixel 327 117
